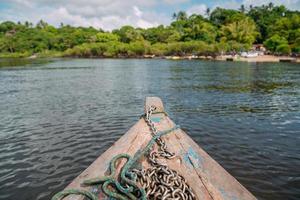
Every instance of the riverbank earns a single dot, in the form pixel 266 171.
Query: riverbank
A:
pixel 261 58
pixel 236 58
pixel 28 55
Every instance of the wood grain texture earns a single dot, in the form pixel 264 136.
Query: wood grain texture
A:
pixel 154 101
pixel 205 176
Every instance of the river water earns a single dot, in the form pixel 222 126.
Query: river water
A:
pixel 57 116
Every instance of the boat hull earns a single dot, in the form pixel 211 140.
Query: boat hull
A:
pixel 205 176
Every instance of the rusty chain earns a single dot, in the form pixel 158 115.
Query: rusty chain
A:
pixel 159 181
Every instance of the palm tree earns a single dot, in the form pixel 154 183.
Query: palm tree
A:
pixel 42 24
pixel 242 8
pixel 193 17
pixel 208 12
pixel 174 16
pixel 243 31
pixel 181 15
pixel 26 24
pixel 270 5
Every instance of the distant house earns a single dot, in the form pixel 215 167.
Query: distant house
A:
pixel 258 47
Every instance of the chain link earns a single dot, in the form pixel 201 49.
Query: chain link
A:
pixel 159 181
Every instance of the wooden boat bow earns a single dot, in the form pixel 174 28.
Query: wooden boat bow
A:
pixel 204 175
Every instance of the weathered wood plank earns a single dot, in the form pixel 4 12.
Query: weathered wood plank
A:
pixel 219 183
pixel 154 101
pixel 128 143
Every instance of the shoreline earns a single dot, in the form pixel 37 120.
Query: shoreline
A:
pixel 227 58
pixel 260 58
pixel 237 58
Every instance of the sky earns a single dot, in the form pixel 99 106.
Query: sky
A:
pixel 111 14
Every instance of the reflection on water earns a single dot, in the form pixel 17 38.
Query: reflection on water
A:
pixel 57 116
pixel 256 86
pixel 14 62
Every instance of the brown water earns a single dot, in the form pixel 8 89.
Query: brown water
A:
pixel 58 116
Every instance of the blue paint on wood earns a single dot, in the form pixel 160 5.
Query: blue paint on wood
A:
pixel 227 195
pixel 186 160
pixel 156 119
pixel 192 159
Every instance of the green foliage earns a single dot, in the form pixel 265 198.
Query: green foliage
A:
pixel 265 17
pixel 25 38
pixel 105 37
pixel 7 26
pixel 243 31
pixel 109 49
pixel 283 49
pixel 128 34
pixel 221 16
pixel 138 48
pixel 15 55
pixel 236 46
pixel 161 34
pixel 182 48
pixel 296 46
pixel 273 42
pixel 218 31
pixel 159 49
pixel 88 50
pixel 288 27
pixel 296 49
pixel 197 28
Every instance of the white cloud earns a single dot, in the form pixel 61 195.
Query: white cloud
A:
pixel 197 9
pixel 109 22
pixel 175 1
pixel 232 4
pixel 106 14
pixel 137 11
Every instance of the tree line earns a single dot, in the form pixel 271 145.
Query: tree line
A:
pixel 217 31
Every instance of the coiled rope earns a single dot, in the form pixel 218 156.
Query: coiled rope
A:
pixel 158 181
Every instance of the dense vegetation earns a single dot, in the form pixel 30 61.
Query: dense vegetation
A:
pixel 219 31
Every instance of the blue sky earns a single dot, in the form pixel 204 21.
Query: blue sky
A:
pixel 110 14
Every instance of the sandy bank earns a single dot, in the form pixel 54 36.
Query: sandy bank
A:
pixel 262 58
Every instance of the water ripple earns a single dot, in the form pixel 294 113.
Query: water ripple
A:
pixel 57 117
